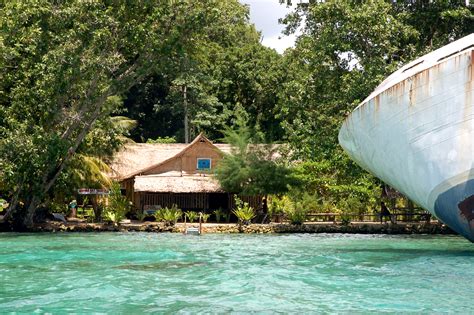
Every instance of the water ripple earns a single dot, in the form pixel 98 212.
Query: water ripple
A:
pixel 294 273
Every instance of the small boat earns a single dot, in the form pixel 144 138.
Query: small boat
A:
pixel 416 133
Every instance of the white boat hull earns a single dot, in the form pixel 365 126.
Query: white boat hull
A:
pixel 416 133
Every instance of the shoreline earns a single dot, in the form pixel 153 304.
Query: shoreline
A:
pixel 230 228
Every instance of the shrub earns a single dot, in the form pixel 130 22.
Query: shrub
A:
pixel 219 213
pixel 141 215
pixel 118 205
pixel 297 215
pixel 169 215
pixel 295 212
pixel 162 140
pixel 243 211
pixel 205 217
pixel 276 206
pixel 192 216
pixel 57 207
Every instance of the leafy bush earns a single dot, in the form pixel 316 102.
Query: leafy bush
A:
pixel 205 217
pixel 118 206
pixel 296 214
pixel 192 216
pixel 276 206
pixel 219 213
pixel 57 207
pixel 243 211
pixel 169 215
pixel 141 215
pixel 162 140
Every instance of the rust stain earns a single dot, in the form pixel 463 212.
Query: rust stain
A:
pixel 466 208
pixel 469 86
pixel 377 102
pixel 412 93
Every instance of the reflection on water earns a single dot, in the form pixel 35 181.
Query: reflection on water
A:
pixel 293 273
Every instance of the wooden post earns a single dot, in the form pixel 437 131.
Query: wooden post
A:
pixel 200 223
pixel 185 231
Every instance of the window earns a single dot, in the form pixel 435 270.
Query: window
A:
pixel 204 163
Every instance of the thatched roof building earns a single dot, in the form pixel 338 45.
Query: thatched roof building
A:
pixel 158 175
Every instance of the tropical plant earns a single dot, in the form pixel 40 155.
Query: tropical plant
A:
pixel 218 214
pixel 169 215
pixel 205 217
pixel 118 205
pixel 294 211
pixel 191 215
pixel 243 211
pixel 141 215
pixel 251 168
pixel 276 206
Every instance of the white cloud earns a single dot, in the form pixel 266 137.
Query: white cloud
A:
pixel 265 14
pixel 279 42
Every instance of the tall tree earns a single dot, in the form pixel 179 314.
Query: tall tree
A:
pixel 344 50
pixel 62 62
pixel 221 70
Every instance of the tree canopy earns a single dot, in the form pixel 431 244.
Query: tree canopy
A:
pixel 77 75
pixel 64 66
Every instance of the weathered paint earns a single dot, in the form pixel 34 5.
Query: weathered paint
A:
pixel 460 217
pixel 416 132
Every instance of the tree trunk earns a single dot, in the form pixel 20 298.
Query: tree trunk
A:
pixel 186 122
pixel 30 212
pixel 20 217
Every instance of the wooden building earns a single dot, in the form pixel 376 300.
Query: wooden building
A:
pixel 160 175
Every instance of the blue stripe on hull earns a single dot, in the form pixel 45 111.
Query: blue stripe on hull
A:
pixel 455 207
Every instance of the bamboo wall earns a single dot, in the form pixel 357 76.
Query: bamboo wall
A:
pixel 197 201
pixel 183 201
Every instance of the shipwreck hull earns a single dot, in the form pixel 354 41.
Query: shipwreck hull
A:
pixel 416 133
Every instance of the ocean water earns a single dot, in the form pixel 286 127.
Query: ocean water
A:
pixel 133 273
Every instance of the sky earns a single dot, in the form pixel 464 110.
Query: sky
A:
pixel 265 14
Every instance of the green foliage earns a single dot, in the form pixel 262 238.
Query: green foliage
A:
pixel 64 67
pixel 162 140
pixel 72 69
pixel 221 68
pixel 296 214
pixel 192 216
pixel 118 205
pixel 344 50
pixel 169 215
pixel 205 217
pixel 58 207
pixel 243 211
pixel 219 213
pixel 294 211
pixel 141 215
pixel 3 204
pixel 251 169
pixel 277 205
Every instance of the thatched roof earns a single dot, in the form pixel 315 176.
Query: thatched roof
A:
pixel 170 183
pixel 140 162
pixel 138 156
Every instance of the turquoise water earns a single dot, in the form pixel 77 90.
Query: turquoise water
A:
pixel 168 273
